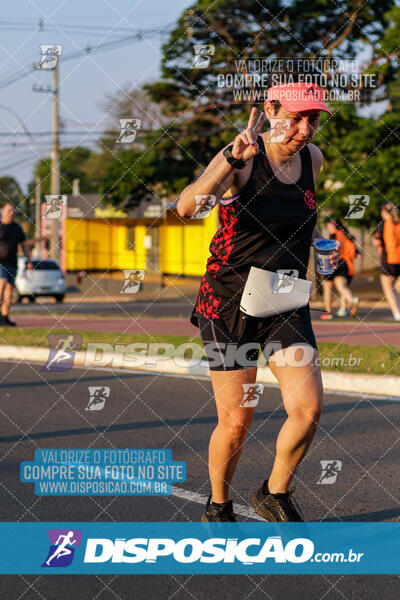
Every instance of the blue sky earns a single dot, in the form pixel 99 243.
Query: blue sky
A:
pixel 84 81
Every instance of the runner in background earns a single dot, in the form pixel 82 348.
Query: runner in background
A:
pixel 343 275
pixel 387 238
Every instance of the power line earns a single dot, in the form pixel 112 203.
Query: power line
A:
pixel 44 133
pixel 101 29
pixel 43 144
pixel 18 162
pixel 104 47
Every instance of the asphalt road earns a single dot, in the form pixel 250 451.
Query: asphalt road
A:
pixel 155 307
pixel 47 410
pixel 356 331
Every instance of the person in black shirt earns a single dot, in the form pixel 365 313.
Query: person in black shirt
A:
pixel 11 234
pixel 267 211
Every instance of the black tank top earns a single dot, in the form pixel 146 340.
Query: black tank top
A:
pixel 267 224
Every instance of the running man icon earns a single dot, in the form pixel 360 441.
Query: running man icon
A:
pixel 50 55
pixel 129 128
pixel 330 470
pixel 62 549
pixel 54 206
pixel 63 543
pixel 98 396
pixel 62 351
pixel 286 281
pixel 357 206
pixel 133 279
pixel 202 55
pixel 62 347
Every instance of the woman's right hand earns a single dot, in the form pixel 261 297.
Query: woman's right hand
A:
pixel 245 145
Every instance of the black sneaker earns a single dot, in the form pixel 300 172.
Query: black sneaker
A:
pixel 275 507
pixel 219 513
pixel 6 321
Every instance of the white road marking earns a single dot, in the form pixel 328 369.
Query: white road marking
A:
pixel 201 499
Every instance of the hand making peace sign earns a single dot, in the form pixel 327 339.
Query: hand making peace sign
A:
pixel 245 145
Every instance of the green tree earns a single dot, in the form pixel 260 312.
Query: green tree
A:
pixel 134 172
pixel 390 48
pixel 361 153
pixel 203 117
pixel 10 191
pixel 72 166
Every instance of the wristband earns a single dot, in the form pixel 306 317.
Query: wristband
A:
pixel 237 163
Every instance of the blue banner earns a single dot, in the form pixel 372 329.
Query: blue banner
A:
pixel 111 472
pixel 199 548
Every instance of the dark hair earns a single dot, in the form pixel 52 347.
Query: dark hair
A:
pixel 339 225
pixel 293 71
pixel 276 105
pixel 390 208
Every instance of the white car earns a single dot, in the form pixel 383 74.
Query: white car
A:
pixel 45 279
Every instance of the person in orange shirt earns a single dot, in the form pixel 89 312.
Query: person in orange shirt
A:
pixel 387 238
pixel 343 274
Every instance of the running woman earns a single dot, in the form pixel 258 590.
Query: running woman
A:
pixel 387 238
pixel 267 213
pixel 343 274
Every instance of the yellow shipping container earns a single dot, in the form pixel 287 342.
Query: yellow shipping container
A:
pixel 171 245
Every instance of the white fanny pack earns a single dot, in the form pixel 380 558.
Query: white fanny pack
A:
pixel 267 293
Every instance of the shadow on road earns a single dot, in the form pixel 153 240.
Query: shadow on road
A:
pixel 184 422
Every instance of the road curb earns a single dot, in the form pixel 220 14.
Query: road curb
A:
pixel 382 385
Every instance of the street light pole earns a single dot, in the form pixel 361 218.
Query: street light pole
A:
pixel 38 220
pixel 55 250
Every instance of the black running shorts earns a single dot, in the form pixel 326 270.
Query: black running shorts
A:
pixel 341 271
pixel 233 341
pixel 390 269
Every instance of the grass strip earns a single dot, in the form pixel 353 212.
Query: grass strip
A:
pixel 343 358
